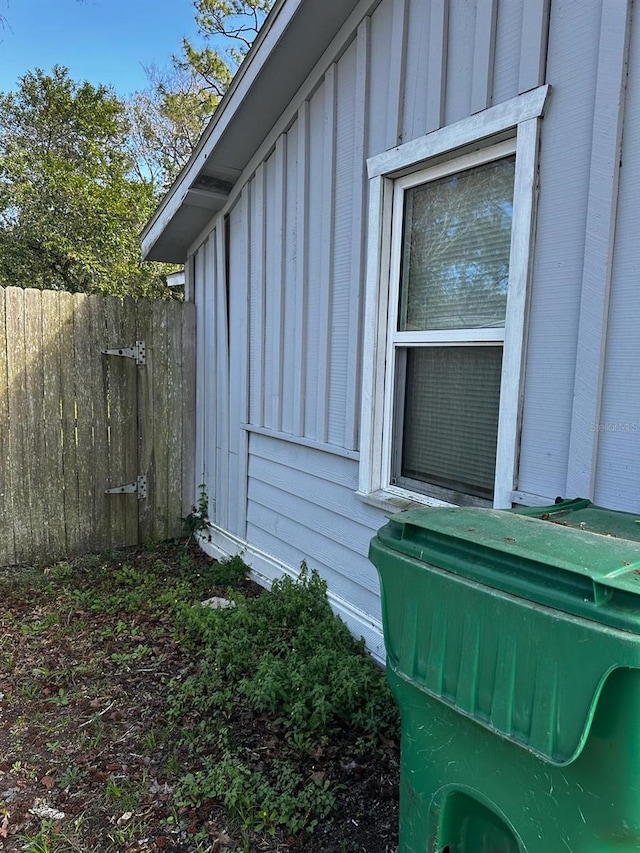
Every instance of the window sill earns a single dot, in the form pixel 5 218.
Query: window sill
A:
pixel 398 500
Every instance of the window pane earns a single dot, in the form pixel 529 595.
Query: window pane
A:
pixel 456 238
pixel 451 417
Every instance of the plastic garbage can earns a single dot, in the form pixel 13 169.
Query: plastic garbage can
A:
pixel 513 651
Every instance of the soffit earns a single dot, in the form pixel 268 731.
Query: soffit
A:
pixel 292 40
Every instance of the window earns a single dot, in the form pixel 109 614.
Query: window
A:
pixel 450 243
pixel 451 237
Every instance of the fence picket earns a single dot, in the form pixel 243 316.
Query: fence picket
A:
pixel 119 373
pixel 84 416
pixel 19 429
pixel 128 425
pixel 96 375
pixel 161 366
pixel 173 378
pixel 53 484
pixel 69 433
pixel 7 549
pixel 36 458
pixel 146 425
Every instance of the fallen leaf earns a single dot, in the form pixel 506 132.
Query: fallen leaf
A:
pixel 220 837
pixel 4 827
pixel 157 788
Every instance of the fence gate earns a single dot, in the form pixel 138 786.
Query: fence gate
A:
pixel 96 422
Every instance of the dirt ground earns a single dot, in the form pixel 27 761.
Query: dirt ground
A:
pixel 88 759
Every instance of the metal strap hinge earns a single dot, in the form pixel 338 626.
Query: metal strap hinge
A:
pixel 139 488
pixel 136 352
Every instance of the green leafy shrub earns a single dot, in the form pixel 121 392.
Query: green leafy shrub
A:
pixel 287 659
pixel 285 653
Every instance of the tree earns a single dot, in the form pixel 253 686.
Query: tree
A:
pixel 165 123
pixel 235 23
pixel 81 171
pixel 167 118
pixel 70 206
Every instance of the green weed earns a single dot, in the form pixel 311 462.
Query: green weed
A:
pixel 198 518
pixel 52 837
pixel 258 801
pixel 71 776
pixel 285 656
pixel 278 670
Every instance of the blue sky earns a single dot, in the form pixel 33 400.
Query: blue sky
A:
pixel 103 41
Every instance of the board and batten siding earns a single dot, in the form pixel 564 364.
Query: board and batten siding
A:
pixel 617 474
pixel 307 195
pixel 280 364
pixel 279 454
pixel 206 372
pixel 576 233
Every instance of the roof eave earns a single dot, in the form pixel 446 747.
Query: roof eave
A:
pixel 265 83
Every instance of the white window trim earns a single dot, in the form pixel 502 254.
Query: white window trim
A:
pixel 518 119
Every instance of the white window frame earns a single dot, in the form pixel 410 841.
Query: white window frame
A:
pixel 517 120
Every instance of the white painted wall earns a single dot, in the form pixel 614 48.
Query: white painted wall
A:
pixel 279 401
pixel 617 475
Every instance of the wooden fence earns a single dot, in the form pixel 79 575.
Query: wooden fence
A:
pixel 75 421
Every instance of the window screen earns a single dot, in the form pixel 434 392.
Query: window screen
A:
pixel 454 274
pixel 451 417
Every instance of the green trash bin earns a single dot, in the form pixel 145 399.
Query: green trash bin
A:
pixel 513 651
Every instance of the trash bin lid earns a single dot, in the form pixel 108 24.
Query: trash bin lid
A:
pixel 573 556
pixel 484 610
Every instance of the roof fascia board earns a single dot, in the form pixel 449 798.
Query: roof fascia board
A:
pixel 266 41
pixel 345 35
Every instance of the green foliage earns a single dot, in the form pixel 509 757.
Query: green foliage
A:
pixel 288 655
pixel 165 122
pixel 237 22
pixel 152 586
pixel 285 657
pixel 198 518
pixel 231 572
pixel 165 119
pixel 272 689
pixel 70 209
pixel 259 801
pixel 81 171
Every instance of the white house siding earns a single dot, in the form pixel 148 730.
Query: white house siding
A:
pixel 203 277
pixel 618 468
pixel 560 244
pixel 302 506
pixel 279 454
pixel 239 273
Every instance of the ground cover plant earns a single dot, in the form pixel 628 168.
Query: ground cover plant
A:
pixel 132 717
